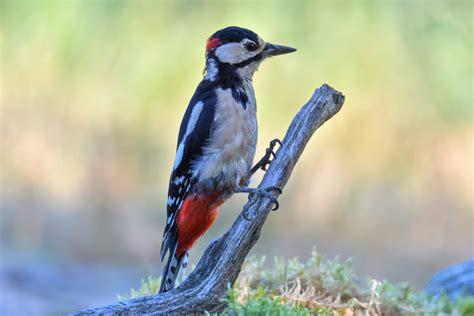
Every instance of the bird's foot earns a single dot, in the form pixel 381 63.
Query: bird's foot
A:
pixel 268 193
pixel 266 159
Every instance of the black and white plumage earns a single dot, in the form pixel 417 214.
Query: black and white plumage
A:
pixel 193 135
pixel 216 142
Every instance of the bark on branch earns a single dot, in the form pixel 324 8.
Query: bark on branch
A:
pixel 222 261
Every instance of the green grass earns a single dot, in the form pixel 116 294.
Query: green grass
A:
pixel 320 286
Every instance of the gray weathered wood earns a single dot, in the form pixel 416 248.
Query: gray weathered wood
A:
pixel 222 261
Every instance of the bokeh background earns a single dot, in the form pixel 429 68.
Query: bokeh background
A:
pixel 92 94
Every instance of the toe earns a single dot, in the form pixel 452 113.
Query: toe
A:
pixel 274 188
pixel 246 216
pixel 275 141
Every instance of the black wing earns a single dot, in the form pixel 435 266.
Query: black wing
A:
pixel 193 136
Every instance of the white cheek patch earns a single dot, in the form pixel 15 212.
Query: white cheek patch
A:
pixel 233 53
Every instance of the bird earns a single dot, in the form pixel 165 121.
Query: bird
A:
pixel 216 144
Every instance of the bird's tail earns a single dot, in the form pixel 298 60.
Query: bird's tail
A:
pixel 172 269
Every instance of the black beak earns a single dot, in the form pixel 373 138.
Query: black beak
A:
pixel 273 50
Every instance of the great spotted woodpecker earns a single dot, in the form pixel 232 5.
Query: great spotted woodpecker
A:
pixel 216 143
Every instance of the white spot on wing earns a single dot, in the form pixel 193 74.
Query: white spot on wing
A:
pixel 178 180
pixel 196 112
pixel 170 200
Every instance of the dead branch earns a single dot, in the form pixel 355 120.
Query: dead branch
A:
pixel 222 261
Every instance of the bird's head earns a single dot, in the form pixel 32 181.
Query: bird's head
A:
pixel 235 50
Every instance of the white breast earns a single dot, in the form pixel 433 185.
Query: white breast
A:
pixel 232 143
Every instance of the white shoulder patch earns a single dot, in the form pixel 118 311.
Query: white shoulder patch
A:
pixel 197 109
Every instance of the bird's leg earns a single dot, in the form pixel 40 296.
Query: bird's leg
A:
pixel 265 161
pixel 266 192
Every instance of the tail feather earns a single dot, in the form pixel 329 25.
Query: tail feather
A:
pixel 184 265
pixel 171 270
pixel 165 245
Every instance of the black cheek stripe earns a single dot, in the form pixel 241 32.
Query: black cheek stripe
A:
pixel 244 63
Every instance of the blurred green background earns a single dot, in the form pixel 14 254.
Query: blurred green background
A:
pixel 92 94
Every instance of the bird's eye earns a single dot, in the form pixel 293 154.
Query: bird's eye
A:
pixel 251 46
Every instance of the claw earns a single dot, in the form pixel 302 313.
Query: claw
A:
pixel 266 192
pixel 266 159
pixel 278 189
pixel 275 202
pixel 274 199
pixel 276 207
pixel 274 142
pixel 246 215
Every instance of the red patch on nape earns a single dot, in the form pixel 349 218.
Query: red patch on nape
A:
pixel 197 214
pixel 212 43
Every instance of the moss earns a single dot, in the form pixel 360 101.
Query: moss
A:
pixel 320 286
pixel 466 306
